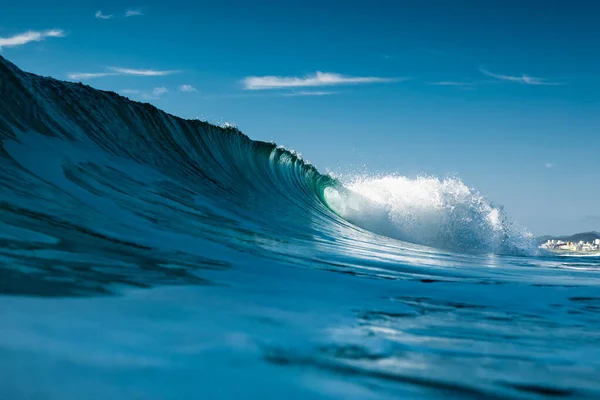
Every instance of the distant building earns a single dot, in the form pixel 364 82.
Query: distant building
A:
pixel 580 246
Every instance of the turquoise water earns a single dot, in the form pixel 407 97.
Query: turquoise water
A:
pixel 143 256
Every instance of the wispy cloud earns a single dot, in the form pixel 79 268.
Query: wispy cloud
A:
pixel 159 91
pixel 128 13
pixel 99 15
pixel 526 79
pixel 307 93
pixel 120 71
pixel 89 75
pixel 263 94
pixel 187 88
pixel 459 85
pixel 318 79
pixel 156 93
pixel 451 83
pixel 549 165
pixel 29 36
pixel 133 13
pixel 142 72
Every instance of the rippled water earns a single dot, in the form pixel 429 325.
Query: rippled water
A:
pixel 147 257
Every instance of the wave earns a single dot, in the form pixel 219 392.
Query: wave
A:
pixel 293 282
pixel 114 156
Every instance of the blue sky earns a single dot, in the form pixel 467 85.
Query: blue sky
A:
pixel 503 94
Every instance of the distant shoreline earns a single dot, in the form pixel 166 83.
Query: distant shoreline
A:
pixel 586 253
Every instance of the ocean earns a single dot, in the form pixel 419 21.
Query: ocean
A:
pixel 144 256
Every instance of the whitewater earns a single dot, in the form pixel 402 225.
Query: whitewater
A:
pixel 144 256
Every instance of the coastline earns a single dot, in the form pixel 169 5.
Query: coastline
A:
pixel 574 253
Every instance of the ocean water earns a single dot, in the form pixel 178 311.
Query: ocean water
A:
pixel 143 256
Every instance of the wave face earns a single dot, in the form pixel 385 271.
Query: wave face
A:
pixel 256 266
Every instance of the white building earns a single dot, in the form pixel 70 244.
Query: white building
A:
pixel 571 246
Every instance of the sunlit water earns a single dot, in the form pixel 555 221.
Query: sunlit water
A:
pixel 147 257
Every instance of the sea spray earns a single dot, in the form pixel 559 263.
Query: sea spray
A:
pixel 443 213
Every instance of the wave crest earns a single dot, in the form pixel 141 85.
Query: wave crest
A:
pixel 442 213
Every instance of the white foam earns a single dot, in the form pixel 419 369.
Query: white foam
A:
pixel 443 213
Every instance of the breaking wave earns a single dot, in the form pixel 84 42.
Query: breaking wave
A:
pixel 440 213
pixel 67 134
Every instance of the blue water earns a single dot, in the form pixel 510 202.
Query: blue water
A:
pixel 143 256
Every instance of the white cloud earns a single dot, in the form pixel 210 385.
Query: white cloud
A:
pixel 120 71
pixel 142 72
pixel 307 93
pixel 29 36
pixel 159 91
pixel 451 83
pixel 80 76
pixel 318 79
pixel 99 15
pixel 187 88
pixel 133 13
pixel 526 79
pixel 155 94
pixel 549 165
